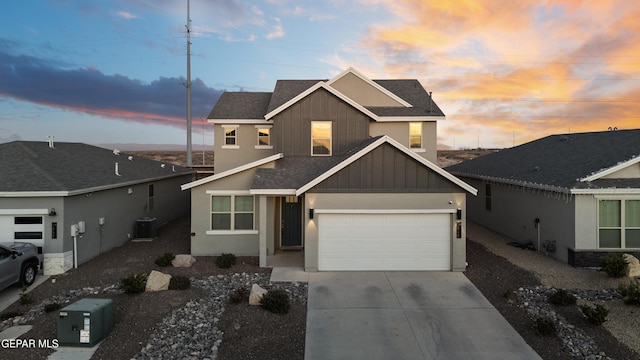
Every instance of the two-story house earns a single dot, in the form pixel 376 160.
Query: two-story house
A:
pixel 342 169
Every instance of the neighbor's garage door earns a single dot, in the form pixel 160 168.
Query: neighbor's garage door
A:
pixel 384 242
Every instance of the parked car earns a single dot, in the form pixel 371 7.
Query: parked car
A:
pixel 18 264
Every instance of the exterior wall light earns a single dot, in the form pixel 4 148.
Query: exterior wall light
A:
pixel 311 214
pixel 459 214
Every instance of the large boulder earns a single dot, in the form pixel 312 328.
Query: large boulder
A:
pixel 256 294
pixel 157 281
pixel 183 260
pixel 633 268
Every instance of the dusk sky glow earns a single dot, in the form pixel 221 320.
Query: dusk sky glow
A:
pixel 504 72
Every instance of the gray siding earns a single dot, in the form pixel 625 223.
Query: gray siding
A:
pixel 292 127
pixel 514 210
pixel 386 169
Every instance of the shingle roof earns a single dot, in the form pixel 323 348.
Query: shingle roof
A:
pixel 293 172
pixel 241 105
pixel 255 105
pixel 412 92
pixel 558 161
pixel 30 166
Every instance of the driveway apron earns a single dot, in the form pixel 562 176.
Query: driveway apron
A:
pixel 405 315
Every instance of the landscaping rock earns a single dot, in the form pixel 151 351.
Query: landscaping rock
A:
pixel 633 268
pixel 157 281
pixel 183 260
pixel 256 294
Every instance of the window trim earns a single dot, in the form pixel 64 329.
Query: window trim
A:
pixel 421 147
pixel 235 137
pixel 232 212
pixel 622 228
pixel 330 137
pixel 258 128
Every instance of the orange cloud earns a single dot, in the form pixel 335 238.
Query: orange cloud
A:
pixel 518 69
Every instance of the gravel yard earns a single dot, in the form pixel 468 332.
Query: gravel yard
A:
pixel 504 274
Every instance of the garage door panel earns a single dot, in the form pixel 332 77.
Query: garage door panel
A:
pixel 384 242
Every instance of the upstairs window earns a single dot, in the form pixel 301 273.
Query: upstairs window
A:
pixel 321 138
pixel 264 137
pixel 230 137
pixel 415 135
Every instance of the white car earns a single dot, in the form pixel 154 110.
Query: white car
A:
pixel 18 264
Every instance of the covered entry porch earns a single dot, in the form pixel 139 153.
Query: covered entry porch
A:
pixel 282 244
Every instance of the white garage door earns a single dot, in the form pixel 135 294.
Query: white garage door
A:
pixel 384 242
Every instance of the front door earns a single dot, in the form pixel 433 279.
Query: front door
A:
pixel 291 222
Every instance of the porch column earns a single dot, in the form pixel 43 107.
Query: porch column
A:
pixel 262 225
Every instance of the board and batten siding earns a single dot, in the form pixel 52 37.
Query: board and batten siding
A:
pixel 386 169
pixel 292 127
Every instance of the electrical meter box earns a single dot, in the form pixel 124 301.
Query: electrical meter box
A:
pixel 85 322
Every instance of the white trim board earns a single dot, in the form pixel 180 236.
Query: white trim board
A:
pixel 371 83
pixel 384 211
pixel 611 170
pixel 230 172
pixel 239 121
pixel 24 211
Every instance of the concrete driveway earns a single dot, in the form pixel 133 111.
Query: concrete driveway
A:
pixel 405 315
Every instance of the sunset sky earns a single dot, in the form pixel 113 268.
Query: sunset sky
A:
pixel 504 72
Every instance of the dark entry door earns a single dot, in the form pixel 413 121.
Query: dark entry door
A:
pixel 291 221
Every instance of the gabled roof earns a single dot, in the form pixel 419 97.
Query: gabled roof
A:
pixel 560 162
pixel 230 172
pixel 241 105
pixel 303 173
pixel 31 168
pixel 415 102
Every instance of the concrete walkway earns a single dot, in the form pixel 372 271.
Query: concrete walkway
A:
pixel 405 315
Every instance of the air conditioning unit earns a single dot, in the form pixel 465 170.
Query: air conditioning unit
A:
pixel 146 228
pixel 85 322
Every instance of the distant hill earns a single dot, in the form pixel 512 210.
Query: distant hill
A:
pixel 154 147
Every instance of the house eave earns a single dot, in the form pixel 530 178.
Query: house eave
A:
pixel 606 191
pixel 230 172
pixel 611 170
pixel 272 192
pixel 521 183
pixel 238 121
pixel 63 193
pixel 411 118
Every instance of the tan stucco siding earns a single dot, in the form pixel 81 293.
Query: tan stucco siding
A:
pixel 514 210
pixel 630 172
pixel 399 131
pixel 372 201
pixel 203 244
pixel 247 139
pixel 586 226
pixel 292 127
pixel 363 93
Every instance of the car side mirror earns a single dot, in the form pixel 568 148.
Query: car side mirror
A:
pixel 15 254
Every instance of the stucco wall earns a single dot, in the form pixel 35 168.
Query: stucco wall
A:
pixel 208 245
pixel 514 210
pixel 319 201
pixel 399 131
pixel 247 139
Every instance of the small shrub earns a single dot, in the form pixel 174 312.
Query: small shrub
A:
pixel 562 297
pixel 164 260
pixel 614 265
pixel 25 297
pixel 52 307
pixel 596 315
pixel 544 326
pixel 276 301
pixel 239 295
pixel 10 315
pixel 133 284
pixel 630 292
pixel 225 261
pixel 179 283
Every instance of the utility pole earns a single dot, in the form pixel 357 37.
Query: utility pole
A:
pixel 189 144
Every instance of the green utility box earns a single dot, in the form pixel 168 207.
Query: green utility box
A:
pixel 85 322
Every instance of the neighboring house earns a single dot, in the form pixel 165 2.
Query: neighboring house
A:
pixel 575 196
pixel 342 169
pixel 47 187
